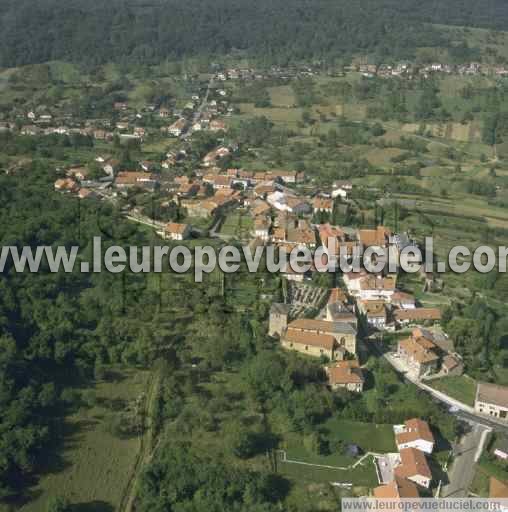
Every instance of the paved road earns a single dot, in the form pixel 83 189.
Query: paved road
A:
pixel 466 453
pixel 461 410
pixel 197 114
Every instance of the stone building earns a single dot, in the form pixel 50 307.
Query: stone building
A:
pixel 279 314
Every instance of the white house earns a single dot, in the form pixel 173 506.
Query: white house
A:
pixel 413 466
pixel 415 433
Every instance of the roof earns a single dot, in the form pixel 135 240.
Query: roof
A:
pixel 174 227
pixel 450 362
pixel 345 372
pixel 301 236
pixel 399 296
pixel 132 177
pixel 374 237
pixel 373 282
pixel 492 394
pixel 325 326
pixel 374 308
pixel 322 203
pixel 418 314
pixel 412 463
pixel 497 488
pixel 337 295
pixel 325 341
pixel 416 429
pixel 399 488
pixel 419 350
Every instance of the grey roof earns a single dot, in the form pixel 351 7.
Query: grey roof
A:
pixel 492 394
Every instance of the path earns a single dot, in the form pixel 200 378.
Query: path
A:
pixel 463 410
pixel 340 468
pixel 146 445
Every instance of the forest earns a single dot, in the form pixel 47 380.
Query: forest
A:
pixel 34 31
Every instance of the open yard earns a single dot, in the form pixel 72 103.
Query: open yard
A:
pixel 461 388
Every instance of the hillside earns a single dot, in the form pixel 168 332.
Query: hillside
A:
pixel 274 30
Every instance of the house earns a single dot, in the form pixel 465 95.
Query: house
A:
pixel 322 204
pixel 452 364
pixel 176 231
pixel 331 237
pixel 501 447
pixel 66 185
pixel 164 112
pixel 414 467
pixel 415 433
pixel 129 179
pixel 492 400
pixel 197 208
pixel 285 176
pixel 284 202
pixel 341 312
pixel 212 157
pixel 376 287
pixel 79 173
pixel 302 235
pixel 219 182
pixel 262 228
pixel 86 193
pixel 419 354
pixel 260 208
pixel 398 488
pixel 417 315
pixel 279 314
pixel 378 237
pixel 217 126
pixel 346 375
pixel 403 300
pixel 312 343
pixel 177 128
pixel 188 189
pixel 341 189
pixel 344 333
pixel 375 312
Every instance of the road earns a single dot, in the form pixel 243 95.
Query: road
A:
pixel 461 410
pixel 466 453
pixel 197 114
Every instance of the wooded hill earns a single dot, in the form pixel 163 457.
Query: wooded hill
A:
pixel 34 31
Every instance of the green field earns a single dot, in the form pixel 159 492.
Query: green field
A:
pixel 238 225
pixel 461 388
pixel 282 96
pixel 363 475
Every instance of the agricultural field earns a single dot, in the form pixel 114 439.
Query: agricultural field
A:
pixel 238 225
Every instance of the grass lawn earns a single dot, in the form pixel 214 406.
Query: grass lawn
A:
pixel 369 436
pixel 484 471
pixel 462 388
pixel 94 466
pixel 363 475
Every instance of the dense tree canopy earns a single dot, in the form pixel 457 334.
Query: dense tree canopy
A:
pixel 34 31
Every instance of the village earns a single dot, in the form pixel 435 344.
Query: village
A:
pixel 282 208
pixel 339 323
